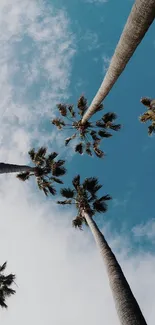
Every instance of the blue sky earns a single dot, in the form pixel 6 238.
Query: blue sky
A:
pixel 53 51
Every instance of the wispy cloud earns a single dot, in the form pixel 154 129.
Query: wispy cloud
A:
pixel 145 230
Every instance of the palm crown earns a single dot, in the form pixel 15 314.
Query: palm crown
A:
pixel 5 283
pixel 149 115
pixel 90 133
pixel 46 170
pixel 84 196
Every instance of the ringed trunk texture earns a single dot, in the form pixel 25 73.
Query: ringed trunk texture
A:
pixel 141 17
pixel 11 168
pixel 128 310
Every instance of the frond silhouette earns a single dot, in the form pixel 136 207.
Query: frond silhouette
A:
pixel 6 282
pixel 149 115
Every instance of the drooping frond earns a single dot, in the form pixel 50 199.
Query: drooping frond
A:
pixel 64 202
pixel 67 140
pixel 145 101
pixel 77 222
pixel 109 117
pixel 104 134
pixel 62 109
pixel 76 181
pixel 58 123
pixel 79 148
pixel 99 206
pixel 67 193
pixel 91 185
pixel 23 176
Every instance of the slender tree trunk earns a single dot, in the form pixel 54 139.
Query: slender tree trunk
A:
pixel 127 307
pixel 11 168
pixel 141 17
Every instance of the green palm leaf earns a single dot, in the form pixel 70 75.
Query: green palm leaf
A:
pixel 99 206
pixel 76 181
pixel 67 193
pixel 104 134
pixel 91 185
pixel 109 117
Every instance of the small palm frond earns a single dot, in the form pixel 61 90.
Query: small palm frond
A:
pixel 88 150
pixel 105 198
pixel 99 108
pixel 115 127
pixel 23 176
pixel 57 180
pixel 58 123
pixel 67 193
pixel 57 170
pixel 82 105
pixel 67 140
pixel 77 222
pixel 76 181
pixel 62 109
pixel 79 148
pixel 104 134
pixel 3 266
pixel 64 202
pixel 100 124
pixel 99 206
pixel 145 117
pixel 51 189
pixel 94 135
pixel 32 154
pixel 145 101
pixel 71 110
pixel 98 152
pixel 40 156
pixel 91 185
pixel 109 117
pixel 151 129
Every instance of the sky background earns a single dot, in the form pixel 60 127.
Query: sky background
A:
pixel 53 51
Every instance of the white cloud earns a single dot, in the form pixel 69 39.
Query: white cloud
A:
pixel 146 230
pixel 106 62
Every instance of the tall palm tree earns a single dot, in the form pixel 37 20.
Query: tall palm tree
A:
pixel 84 196
pixel 46 170
pixel 149 115
pixel 12 168
pixel 141 17
pixel 91 133
pixel 5 283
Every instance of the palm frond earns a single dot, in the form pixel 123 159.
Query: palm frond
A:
pixel 151 129
pixel 71 110
pixel 67 140
pixel 41 152
pixel 76 181
pixel 145 117
pixel 64 202
pixel 109 117
pixel 82 105
pixel 91 185
pixel 32 154
pixel 98 152
pixel 23 176
pixel 99 206
pixel 105 198
pixel 88 150
pixel 77 222
pixel 100 124
pixel 79 148
pixel 51 189
pixel 58 123
pixel 57 170
pixel 145 101
pixel 57 180
pixel 104 134
pixel 94 135
pixel 115 127
pixel 67 193
pixel 62 109
pixel 99 107
pixel 3 266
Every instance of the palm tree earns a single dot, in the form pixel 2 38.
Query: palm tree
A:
pixel 91 133
pixel 141 17
pixel 84 196
pixel 5 283
pixel 46 170
pixel 149 115
pixel 11 168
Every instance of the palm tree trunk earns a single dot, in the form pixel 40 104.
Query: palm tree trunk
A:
pixel 127 307
pixel 11 168
pixel 141 17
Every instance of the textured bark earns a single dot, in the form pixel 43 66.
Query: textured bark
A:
pixel 141 17
pixel 128 310
pixel 11 168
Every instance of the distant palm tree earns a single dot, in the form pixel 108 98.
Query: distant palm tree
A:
pixel 84 196
pixel 5 283
pixel 91 133
pixel 141 17
pixel 149 115
pixel 46 170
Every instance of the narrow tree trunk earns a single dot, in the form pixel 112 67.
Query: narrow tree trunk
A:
pixel 11 168
pixel 141 17
pixel 127 307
